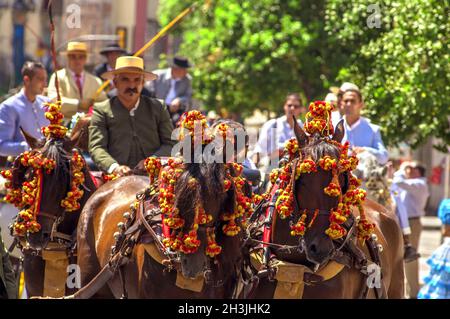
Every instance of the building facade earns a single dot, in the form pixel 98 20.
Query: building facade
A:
pixel 26 33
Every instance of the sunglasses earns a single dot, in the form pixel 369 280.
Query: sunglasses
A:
pixel 297 106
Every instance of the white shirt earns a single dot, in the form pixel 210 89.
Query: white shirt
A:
pixel 413 194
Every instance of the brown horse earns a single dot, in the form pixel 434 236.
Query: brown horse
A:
pixel 143 276
pixel 58 227
pixel 316 248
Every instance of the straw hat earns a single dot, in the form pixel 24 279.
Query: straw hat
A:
pixel 76 47
pixel 129 64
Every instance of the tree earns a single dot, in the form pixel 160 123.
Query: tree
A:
pixel 402 65
pixel 249 54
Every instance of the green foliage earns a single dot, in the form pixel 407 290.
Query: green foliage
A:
pixel 249 54
pixel 403 66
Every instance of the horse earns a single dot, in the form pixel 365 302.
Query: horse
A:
pixel 56 235
pixel 374 179
pixel 143 276
pixel 315 250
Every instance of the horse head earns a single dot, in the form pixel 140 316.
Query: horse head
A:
pixel 42 181
pixel 205 194
pixel 310 196
pixel 208 205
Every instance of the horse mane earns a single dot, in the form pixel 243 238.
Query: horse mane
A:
pixel 318 147
pixel 54 150
pixel 210 177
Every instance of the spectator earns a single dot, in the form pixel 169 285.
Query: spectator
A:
pixel 77 87
pixel 24 110
pixel 174 87
pixel 128 128
pixel 276 132
pixel 111 52
pixel 437 282
pixel 412 197
pixel 362 135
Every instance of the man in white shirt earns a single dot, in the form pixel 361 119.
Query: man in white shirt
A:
pixel 412 195
pixel 362 135
pixel 275 133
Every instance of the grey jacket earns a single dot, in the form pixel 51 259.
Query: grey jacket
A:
pixel 160 87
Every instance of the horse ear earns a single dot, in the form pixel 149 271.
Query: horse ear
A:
pixel 339 132
pixel 31 141
pixel 300 134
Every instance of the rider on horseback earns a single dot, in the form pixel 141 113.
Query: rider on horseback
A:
pixel 129 128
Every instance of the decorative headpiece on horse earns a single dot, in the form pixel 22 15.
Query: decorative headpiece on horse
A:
pixel 318 120
pixel 31 192
pixel 28 196
pixel 167 177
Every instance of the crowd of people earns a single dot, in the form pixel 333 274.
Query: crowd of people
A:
pixel 135 118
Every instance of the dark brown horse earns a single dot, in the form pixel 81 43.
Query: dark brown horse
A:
pixel 316 248
pixel 58 227
pixel 143 276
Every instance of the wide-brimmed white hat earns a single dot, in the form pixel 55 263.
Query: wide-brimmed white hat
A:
pixel 129 64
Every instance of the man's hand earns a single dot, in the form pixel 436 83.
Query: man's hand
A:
pixel 122 170
pixel 358 149
pixel 175 105
pixel 85 104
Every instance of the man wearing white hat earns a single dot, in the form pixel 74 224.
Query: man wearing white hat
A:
pixel 77 87
pixel 129 127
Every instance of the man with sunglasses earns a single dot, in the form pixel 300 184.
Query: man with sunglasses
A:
pixel 275 133
pixel 77 87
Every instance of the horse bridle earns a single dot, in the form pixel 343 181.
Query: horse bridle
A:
pixel 54 234
pixel 173 259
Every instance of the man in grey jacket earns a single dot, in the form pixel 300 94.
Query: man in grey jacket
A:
pixel 174 87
